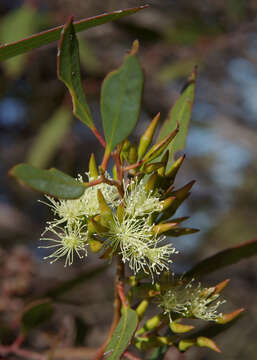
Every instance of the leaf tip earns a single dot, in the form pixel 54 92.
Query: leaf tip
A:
pixel 135 47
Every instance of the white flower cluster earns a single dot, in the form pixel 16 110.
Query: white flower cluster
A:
pixel 139 202
pixel 192 301
pixel 72 215
pixel 142 249
pixel 132 237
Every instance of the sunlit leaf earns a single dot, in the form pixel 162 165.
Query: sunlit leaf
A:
pixel 224 258
pixel 121 99
pixel 122 335
pixel 180 114
pixel 46 37
pixel 52 182
pixel 69 73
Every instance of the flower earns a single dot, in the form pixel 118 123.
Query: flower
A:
pixel 66 241
pixel 192 301
pixel 139 202
pixel 70 211
pixel 139 246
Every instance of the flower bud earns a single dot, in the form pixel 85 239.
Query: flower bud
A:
pixel 149 168
pixel 147 137
pixel 158 148
pixel 105 211
pixel 164 160
pixel 93 173
pixel 152 182
pixel 95 245
pixel 185 344
pixel 225 318
pixel 162 228
pixel 120 212
pixel 206 342
pixel 171 174
pixel 167 202
pixel 178 328
pixel 132 155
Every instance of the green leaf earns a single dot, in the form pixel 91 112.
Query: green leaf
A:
pixel 224 258
pixel 52 182
pixel 25 19
pixel 46 37
pixel 121 99
pixel 69 73
pixel 36 313
pixel 52 133
pixel 122 335
pixel 180 114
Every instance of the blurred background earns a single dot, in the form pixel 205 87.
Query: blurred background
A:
pixel 221 38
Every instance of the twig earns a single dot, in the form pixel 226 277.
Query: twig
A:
pixel 133 166
pixel 27 354
pixel 98 136
pixel 128 355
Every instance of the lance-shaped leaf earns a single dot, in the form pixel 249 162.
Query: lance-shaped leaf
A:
pixel 180 114
pixel 8 51
pixel 69 73
pixel 147 137
pixel 181 232
pixel 122 335
pixel 52 182
pixel 224 258
pixel 121 99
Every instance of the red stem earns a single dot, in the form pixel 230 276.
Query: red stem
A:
pixel 99 136
pixel 122 295
pixel 105 160
pixel 133 166
pixel 18 341
pixel 94 182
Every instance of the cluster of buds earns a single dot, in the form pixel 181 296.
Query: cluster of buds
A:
pixel 191 300
pixel 128 215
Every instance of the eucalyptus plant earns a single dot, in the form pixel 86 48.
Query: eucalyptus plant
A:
pixel 125 214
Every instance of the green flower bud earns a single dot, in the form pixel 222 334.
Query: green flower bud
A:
pixel 171 174
pixel 164 160
pixel 158 148
pixel 93 173
pixel 147 137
